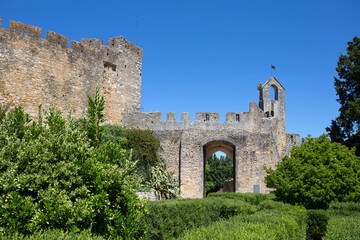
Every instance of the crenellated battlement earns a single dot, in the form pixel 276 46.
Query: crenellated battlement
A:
pixel 33 65
pixel 254 120
pixel 86 47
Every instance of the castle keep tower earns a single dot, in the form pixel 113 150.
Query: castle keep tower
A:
pixel 37 71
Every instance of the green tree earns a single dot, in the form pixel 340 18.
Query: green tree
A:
pixel 345 128
pixel 317 173
pixel 95 116
pixel 216 172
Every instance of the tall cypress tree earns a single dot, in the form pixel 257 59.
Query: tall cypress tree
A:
pixel 345 128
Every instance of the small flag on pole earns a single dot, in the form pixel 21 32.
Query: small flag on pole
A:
pixel 272 67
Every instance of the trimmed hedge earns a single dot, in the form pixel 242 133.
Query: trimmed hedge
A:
pixel 288 222
pixel 316 224
pixel 168 219
pixel 343 227
pixel 54 235
pixel 253 198
pixel 344 221
pixel 171 218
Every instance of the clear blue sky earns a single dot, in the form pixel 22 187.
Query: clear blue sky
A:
pixel 211 55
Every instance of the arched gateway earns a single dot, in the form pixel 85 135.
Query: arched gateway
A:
pixel 251 139
pixel 225 146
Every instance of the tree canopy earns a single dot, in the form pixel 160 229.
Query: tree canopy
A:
pixel 216 172
pixel 345 128
pixel 317 173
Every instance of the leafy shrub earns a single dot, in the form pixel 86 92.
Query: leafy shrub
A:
pixel 95 116
pixel 316 174
pixel 115 134
pixel 4 108
pixel 51 177
pixel 145 146
pixel 150 166
pixel 162 182
pixel 316 224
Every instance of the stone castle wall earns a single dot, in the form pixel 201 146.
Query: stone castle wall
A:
pixel 37 71
pixel 251 139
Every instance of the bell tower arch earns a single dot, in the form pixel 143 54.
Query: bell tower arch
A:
pixel 273 107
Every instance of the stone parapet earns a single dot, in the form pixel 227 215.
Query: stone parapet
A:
pixel 36 71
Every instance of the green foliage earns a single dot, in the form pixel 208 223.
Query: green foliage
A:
pixel 316 224
pixel 344 222
pixel 287 223
pixel 345 206
pixel 115 134
pixel 216 172
pixel 169 219
pixel 95 116
pixel 56 234
pixel 346 128
pixel 51 178
pixel 145 146
pixel 4 108
pixel 162 182
pixel 252 198
pixel 316 174
pixel 150 166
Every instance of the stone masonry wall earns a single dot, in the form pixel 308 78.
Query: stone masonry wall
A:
pixel 37 71
pixel 253 139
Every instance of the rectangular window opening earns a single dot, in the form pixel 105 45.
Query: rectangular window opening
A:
pixel 237 118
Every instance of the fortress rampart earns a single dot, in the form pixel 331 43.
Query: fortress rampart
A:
pixel 37 71
pixel 253 121
pixel 251 139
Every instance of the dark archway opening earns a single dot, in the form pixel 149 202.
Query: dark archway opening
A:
pixel 219 167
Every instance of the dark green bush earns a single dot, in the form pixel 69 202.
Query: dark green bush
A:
pixel 167 219
pixel 316 224
pixel 144 144
pixel 115 134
